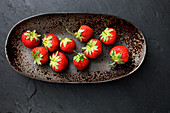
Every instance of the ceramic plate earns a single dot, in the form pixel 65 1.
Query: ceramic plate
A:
pixel 99 69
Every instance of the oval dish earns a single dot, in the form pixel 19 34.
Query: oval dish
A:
pixel 99 69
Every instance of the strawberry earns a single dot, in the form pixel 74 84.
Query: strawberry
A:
pixel 51 42
pixel 58 61
pixel 108 36
pixel 40 55
pixel 93 48
pixel 30 39
pixel 80 61
pixel 119 54
pixel 67 44
pixel 83 34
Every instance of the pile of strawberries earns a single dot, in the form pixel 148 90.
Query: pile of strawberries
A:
pixel 58 60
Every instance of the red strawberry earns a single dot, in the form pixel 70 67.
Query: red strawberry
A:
pixel 93 48
pixel 58 61
pixel 83 34
pixel 40 55
pixel 119 54
pixel 80 61
pixel 108 36
pixel 67 44
pixel 30 39
pixel 51 42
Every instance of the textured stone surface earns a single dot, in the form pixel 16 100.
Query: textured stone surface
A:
pixel 145 91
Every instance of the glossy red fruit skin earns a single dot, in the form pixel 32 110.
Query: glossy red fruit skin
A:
pixel 95 54
pixel 43 51
pixel 123 50
pixel 62 64
pixel 55 42
pixel 81 65
pixel 88 32
pixel 69 47
pixel 112 39
pixel 28 43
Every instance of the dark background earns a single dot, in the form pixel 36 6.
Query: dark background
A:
pixel 145 91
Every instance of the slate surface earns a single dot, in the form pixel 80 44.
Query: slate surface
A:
pixel 145 91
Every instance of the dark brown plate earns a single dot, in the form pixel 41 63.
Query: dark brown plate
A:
pixel 98 70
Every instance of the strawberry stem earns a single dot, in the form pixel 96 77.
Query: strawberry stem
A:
pixel 70 32
pixel 61 38
pixel 76 52
pixel 112 63
pixel 44 35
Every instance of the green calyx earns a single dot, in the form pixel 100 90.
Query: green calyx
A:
pixel 37 56
pixel 78 34
pixel 65 41
pixel 47 41
pixel 90 47
pixel 79 56
pixel 54 60
pixel 105 34
pixel 116 58
pixel 31 35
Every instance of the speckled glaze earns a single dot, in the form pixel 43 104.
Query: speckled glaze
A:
pixel 98 70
